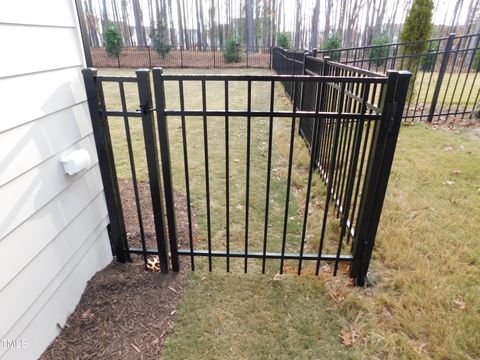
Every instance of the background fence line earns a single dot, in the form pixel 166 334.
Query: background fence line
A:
pixel 199 57
pixel 444 78
pixel 445 72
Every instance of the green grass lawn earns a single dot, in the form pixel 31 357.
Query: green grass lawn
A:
pixel 427 268
pixel 425 303
pixel 456 90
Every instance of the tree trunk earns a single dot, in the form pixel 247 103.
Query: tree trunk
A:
pixel 185 26
pixel 158 11
pixel 127 33
pixel 199 31
pixel 328 14
pixel 220 28
pixel 173 33
pixel 473 14
pixel 249 22
pixel 341 19
pixel 181 35
pixel 391 20
pixel 202 25
pixel 380 16
pixel 274 24
pixel 139 29
pixel 298 23
pixel 151 17
pixel 91 25
pixel 314 36
pixel 257 23
pixel 211 13
pixel 456 14
pixel 104 15
pixel 352 19
pixel 116 17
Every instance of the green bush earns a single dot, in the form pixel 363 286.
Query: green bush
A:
pixel 417 27
pixel 333 42
pixel 233 51
pixel 428 61
pixel 159 37
pixel 476 61
pixel 113 41
pixel 283 40
pixel 378 55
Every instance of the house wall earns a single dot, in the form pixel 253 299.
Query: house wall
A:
pixel 53 234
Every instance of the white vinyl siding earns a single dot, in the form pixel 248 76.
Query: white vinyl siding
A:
pixel 53 235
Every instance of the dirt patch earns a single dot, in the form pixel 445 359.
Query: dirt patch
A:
pixel 467 126
pixel 125 311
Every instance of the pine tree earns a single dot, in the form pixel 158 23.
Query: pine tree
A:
pixel 334 41
pixel 159 37
pixel 233 51
pixel 283 41
pixel 379 54
pixel 418 26
pixel 113 41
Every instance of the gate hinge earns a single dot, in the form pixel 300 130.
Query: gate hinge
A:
pixel 391 118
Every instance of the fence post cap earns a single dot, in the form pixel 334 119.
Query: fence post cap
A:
pixel 158 69
pixel 89 70
pixel 142 70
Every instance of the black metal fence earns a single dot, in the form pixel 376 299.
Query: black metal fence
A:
pixel 204 57
pixel 354 120
pixel 446 72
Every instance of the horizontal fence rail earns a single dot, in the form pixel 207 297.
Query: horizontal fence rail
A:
pixel 445 72
pixel 204 57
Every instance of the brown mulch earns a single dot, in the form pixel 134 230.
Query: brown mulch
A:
pixel 125 311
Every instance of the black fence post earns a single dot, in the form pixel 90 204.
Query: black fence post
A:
pixel 441 74
pixel 101 132
pixel 271 58
pixel 213 50
pixel 149 57
pixel 377 173
pixel 326 66
pixel 145 96
pixel 159 88
pixel 181 56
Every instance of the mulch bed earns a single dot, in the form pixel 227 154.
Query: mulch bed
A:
pixel 125 311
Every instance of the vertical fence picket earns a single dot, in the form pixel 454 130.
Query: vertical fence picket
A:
pixel 441 74
pixel 158 84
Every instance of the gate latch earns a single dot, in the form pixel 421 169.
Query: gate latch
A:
pixel 145 109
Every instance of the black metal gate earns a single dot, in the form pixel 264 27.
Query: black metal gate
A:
pixel 354 122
